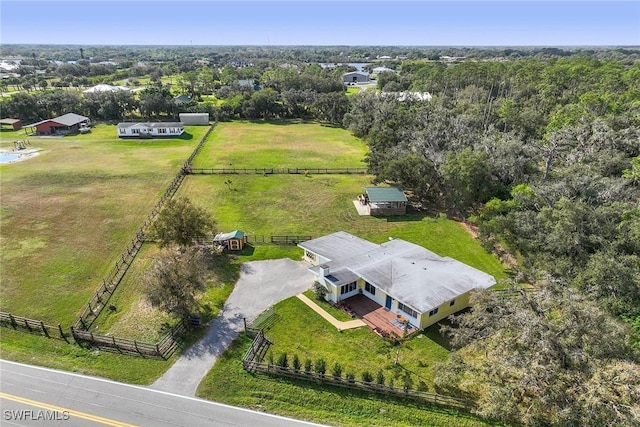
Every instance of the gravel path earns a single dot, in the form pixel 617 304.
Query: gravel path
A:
pixel 261 284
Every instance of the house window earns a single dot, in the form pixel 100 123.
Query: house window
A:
pixel 452 302
pixel 122 131
pixel 433 312
pixel 162 130
pixel 310 255
pixel 135 131
pixel 369 288
pixel 350 287
pixel 410 311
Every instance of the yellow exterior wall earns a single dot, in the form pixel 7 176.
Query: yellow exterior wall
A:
pixel 445 310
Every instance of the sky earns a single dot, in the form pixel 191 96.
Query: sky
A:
pixel 353 23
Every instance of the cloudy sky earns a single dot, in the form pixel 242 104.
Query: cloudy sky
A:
pixel 411 23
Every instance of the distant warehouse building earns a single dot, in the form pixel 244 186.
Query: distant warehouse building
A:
pixel 194 118
pixel 355 77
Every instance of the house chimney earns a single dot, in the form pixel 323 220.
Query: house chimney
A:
pixel 325 270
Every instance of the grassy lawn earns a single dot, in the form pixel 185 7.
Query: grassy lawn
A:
pixel 352 90
pixel 68 212
pixel 322 204
pixel 328 307
pixel 57 354
pixel 227 382
pixel 281 144
pixel 303 332
pixel 136 319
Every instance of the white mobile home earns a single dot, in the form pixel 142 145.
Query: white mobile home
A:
pixel 150 130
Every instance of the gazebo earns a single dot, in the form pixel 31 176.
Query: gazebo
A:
pixel 385 200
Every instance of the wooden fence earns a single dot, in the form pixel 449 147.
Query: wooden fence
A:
pixel 99 300
pixel 275 171
pixel 277 240
pixel 252 362
pixel 256 352
pixel 265 320
pixel 162 349
pixel 32 326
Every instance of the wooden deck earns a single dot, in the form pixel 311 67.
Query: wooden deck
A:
pixel 382 321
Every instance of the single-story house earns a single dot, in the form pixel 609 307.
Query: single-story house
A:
pixel 194 118
pixel 233 241
pixel 403 277
pixel 106 88
pixel 148 130
pixel 385 200
pixel 15 124
pixel 62 125
pixel 355 77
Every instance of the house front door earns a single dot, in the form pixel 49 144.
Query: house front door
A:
pixel 388 302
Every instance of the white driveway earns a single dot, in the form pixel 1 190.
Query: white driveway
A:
pixel 261 284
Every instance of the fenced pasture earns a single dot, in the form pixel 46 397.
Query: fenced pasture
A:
pixel 318 205
pixel 281 144
pixel 68 213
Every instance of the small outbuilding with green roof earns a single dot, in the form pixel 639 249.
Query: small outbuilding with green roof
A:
pixel 233 241
pixel 385 200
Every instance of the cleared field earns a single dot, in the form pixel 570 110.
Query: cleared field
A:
pixel 68 212
pixel 281 144
pixel 322 204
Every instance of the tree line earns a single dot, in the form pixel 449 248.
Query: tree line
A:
pixel 543 156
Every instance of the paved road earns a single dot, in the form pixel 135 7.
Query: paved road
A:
pixel 261 284
pixel 32 396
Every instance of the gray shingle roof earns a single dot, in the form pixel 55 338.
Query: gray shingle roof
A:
pixel 407 272
pixel 338 245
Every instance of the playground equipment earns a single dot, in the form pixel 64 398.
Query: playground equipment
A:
pixel 20 144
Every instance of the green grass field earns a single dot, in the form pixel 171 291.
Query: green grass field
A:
pixel 302 331
pixel 227 382
pixel 322 204
pixel 68 212
pixel 281 144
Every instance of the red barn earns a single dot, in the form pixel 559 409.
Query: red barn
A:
pixel 63 125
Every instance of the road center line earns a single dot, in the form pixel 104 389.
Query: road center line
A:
pixel 71 412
